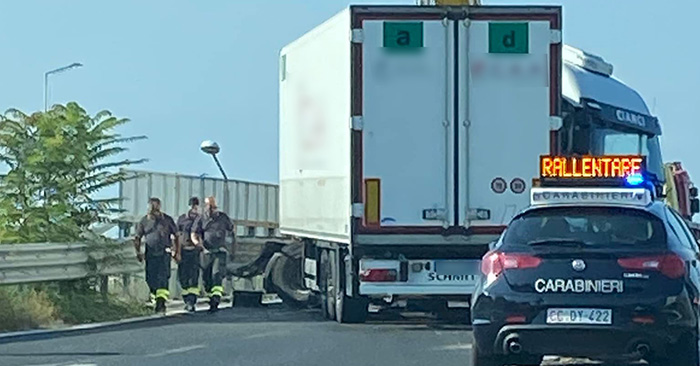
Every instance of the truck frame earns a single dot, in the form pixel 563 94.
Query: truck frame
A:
pixel 388 120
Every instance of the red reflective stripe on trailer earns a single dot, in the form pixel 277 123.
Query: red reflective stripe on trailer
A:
pixel 386 16
pixel 553 143
pixel 401 230
pixel 455 230
pixel 486 230
pixel 555 79
pixel 553 18
pixel 356 188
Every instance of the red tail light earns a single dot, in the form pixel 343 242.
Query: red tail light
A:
pixel 491 264
pixel 670 265
pixel 648 319
pixel 378 275
pixel 494 263
pixel 516 319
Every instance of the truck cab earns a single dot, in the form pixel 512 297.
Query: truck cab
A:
pixel 603 116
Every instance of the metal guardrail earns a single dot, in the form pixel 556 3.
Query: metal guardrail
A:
pixel 27 263
pixel 30 263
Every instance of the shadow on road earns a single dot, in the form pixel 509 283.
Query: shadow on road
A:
pixel 277 313
pixel 414 321
pixel 59 354
pixel 269 314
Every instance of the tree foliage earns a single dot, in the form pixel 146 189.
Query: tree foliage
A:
pixel 58 160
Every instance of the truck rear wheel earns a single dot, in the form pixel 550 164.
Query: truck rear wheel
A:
pixel 326 287
pixel 347 309
pixel 351 310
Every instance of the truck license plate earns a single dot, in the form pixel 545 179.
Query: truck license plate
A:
pixel 579 316
pixel 455 267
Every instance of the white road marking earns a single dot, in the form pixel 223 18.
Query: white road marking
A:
pixel 69 363
pixel 454 347
pixel 263 335
pixel 176 350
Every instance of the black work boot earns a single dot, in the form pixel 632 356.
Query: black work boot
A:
pixel 160 305
pixel 190 301
pixel 214 303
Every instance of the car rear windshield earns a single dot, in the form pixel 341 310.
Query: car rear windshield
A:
pixel 590 226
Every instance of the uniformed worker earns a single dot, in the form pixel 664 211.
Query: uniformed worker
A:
pixel 188 268
pixel 210 231
pixel 159 232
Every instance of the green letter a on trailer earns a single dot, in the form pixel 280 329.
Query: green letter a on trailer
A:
pixel 403 36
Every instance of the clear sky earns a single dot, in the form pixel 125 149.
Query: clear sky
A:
pixel 185 71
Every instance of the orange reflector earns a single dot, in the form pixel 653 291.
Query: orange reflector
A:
pixel 648 319
pixel 372 201
pixel 516 319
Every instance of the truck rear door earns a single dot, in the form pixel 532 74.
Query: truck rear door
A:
pixel 407 85
pixel 510 98
pixel 452 107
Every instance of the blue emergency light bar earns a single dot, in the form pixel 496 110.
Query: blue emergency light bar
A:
pixel 635 180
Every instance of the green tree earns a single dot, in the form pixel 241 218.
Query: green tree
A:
pixel 58 160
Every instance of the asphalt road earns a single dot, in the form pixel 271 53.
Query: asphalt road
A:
pixel 256 337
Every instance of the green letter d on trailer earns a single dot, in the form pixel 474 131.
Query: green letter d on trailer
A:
pixel 509 38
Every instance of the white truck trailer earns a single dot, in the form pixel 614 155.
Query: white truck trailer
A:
pixel 402 132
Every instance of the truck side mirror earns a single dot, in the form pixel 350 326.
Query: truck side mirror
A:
pixel 693 192
pixel 694 206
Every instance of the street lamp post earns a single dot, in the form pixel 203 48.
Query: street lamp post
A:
pixel 212 148
pixel 74 65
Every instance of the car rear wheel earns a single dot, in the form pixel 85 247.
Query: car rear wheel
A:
pixel 526 360
pixel 501 360
pixel 483 360
pixel 683 353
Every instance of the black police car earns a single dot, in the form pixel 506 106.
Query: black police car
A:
pixel 611 276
